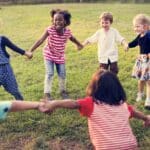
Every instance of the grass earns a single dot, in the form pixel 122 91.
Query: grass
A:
pixel 65 129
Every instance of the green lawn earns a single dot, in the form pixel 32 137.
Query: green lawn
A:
pixel 64 129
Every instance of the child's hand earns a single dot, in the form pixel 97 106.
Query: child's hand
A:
pixel 126 48
pixel 29 54
pixel 80 47
pixel 147 121
pixel 46 107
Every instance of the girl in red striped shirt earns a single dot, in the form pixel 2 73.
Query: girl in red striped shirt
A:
pixel 107 112
pixel 54 51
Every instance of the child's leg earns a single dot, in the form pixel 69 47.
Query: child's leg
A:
pixel 103 66
pixel 10 83
pixel 62 79
pixel 114 67
pixel 140 93
pixel 147 102
pixel 49 67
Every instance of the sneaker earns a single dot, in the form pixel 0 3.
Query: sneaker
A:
pixel 139 97
pixel 147 104
pixel 64 94
pixel 47 96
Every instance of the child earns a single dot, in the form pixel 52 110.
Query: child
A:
pixel 7 77
pixel 107 112
pixel 106 38
pixel 14 106
pixel 57 36
pixel 141 69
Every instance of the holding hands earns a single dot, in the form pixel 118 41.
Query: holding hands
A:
pixel 46 106
pixel 28 54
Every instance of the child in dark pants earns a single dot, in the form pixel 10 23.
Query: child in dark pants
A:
pixel 7 77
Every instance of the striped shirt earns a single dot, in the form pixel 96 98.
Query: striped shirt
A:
pixel 55 47
pixel 108 125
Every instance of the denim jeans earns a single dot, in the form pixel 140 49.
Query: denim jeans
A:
pixel 61 71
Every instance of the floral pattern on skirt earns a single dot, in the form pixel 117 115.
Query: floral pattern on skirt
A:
pixel 141 69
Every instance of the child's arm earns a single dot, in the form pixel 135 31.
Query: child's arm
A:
pixel 24 105
pixel 140 115
pixel 92 39
pixel 8 43
pixel 85 43
pixel 50 106
pixel 74 40
pixel 39 41
pixel 134 43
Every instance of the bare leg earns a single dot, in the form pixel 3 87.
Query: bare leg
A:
pixel 141 85
pixel 147 102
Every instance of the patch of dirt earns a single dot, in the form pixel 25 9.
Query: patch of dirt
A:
pixel 15 144
pixel 28 143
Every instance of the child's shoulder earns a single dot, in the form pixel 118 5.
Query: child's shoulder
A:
pixel 148 33
pixel 114 29
pixel 3 38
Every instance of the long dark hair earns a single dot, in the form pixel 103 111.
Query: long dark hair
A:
pixel 106 87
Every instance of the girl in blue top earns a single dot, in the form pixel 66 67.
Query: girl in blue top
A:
pixel 141 69
pixel 7 77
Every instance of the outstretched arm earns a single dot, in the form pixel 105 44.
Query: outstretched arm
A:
pixel 74 40
pixel 8 43
pixel 11 45
pixel 49 106
pixel 141 116
pixel 39 41
pixel 23 105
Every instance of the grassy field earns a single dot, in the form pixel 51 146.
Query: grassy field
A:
pixel 64 129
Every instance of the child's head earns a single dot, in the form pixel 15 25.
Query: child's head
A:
pixel 106 19
pixel 141 23
pixel 106 87
pixel 60 18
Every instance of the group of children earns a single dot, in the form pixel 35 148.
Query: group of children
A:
pixel 105 102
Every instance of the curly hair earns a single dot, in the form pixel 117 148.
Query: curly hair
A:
pixel 65 13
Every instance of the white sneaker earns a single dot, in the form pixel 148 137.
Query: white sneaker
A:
pixel 139 97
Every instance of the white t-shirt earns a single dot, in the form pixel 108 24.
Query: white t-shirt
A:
pixel 107 44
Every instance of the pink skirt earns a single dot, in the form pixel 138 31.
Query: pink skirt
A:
pixel 141 69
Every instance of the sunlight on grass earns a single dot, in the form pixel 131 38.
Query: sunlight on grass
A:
pixel 24 25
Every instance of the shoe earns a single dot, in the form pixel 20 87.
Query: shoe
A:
pixel 64 94
pixel 139 97
pixel 47 96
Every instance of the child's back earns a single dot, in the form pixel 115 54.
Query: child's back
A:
pixel 109 127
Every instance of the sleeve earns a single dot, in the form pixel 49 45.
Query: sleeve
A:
pixel 119 38
pixel 12 46
pixel 130 108
pixel 4 108
pixel 93 38
pixel 86 106
pixel 134 43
